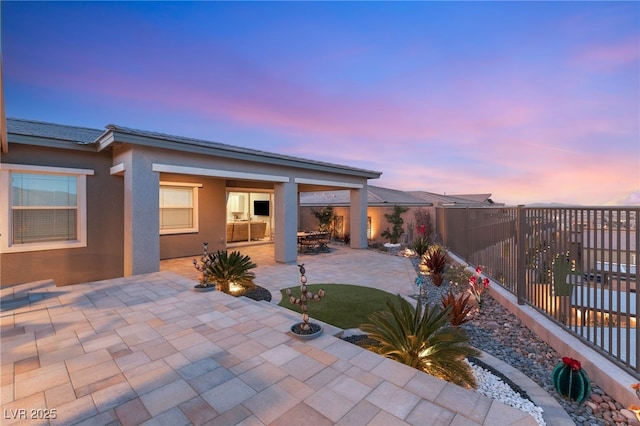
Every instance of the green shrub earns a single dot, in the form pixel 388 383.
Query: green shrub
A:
pixel 422 338
pixel 230 268
pixel 325 216
pixel 396 220
pixel 458 275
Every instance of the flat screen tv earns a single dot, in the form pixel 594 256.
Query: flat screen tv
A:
pixel 261 207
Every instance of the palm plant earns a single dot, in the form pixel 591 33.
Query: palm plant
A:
pixel 422 338
pixel 435 259
pixel 231 268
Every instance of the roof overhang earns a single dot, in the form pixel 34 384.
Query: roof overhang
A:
pixel 115 135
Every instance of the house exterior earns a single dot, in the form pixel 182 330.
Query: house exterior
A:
pixel 381 201
pixel 80 204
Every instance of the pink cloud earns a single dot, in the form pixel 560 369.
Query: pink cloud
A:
pixel 608 56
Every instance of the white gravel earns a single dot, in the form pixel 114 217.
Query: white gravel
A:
pixel 493 387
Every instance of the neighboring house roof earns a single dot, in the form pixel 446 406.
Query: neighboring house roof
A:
pixel 61 132
pixel 376 196
pixel 479 198
pixel 439 200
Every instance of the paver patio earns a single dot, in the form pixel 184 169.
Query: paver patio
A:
pixel 148 350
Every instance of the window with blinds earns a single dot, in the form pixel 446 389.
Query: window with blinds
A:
pixel 44 208
pixel 178 208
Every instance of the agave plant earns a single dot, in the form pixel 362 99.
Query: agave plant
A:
pixel 231 268
pixel 435 259
pixel 459 307
pixel 420 245
pixel 422 338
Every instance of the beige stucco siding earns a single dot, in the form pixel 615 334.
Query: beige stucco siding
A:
pixel 211 219
pixel 103 256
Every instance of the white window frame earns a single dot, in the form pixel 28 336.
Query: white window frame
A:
pixel 6 211
pixel 194 188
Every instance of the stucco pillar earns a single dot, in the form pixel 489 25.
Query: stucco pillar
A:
pixel 358 217
pixel 286 221
pixel 141 217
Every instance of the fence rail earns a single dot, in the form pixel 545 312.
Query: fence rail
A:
pixel 577 265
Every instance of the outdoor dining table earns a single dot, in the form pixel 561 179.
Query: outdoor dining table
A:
pixel 313 242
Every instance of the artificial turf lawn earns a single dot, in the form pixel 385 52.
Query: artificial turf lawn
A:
pixel 343 305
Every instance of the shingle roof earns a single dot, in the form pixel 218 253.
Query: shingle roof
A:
pixel 79 135
pixel 173 139
pixel 480 198
pixel 438 199
pixel 376 195
pixel 88 136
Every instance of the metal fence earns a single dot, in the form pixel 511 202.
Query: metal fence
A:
pixel 577 265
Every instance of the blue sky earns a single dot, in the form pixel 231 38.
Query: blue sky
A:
pixel 529 101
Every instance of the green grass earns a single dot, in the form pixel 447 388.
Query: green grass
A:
pixel 343 305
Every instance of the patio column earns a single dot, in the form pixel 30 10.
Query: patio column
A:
pixel 141 217
pixel 358 217
pixel 286 221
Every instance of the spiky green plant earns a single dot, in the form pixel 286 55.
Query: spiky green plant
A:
pixel 435 259
pixel 230 268
pixel 421 245
pixel 422 338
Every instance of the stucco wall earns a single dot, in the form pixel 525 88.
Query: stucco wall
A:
pixel 211 219
pixel 103 256
pixel 378 222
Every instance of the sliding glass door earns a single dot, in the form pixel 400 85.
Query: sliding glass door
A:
pixel 249 216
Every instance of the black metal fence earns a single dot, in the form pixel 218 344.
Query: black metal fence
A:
pixel 577 265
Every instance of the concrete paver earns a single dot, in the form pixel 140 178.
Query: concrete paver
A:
pixel 153 352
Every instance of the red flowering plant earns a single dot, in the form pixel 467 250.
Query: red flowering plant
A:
pixel 478 284
pixel 574 364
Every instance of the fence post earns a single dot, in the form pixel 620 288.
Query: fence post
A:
pixel 521 252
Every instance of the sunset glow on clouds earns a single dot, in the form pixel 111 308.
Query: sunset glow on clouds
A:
pixel 531 102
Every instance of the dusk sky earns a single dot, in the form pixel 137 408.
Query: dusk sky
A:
pixel 533 102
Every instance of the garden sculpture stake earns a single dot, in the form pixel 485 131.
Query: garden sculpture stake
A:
pixel 305 296
pixel 205 261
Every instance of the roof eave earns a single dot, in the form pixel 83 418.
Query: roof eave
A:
pixel 49 142
pixel 117 136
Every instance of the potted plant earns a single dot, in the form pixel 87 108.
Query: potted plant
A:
pixel 305 329
pixel 227 272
